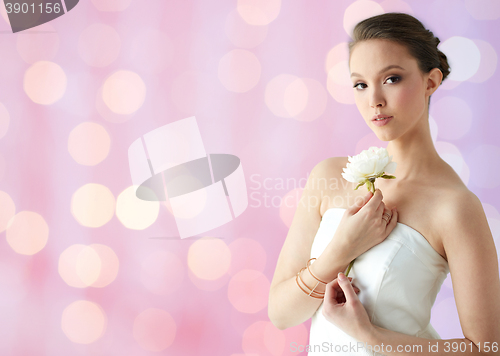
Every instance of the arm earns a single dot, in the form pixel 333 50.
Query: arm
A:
pixel 473 264
pixel 288 305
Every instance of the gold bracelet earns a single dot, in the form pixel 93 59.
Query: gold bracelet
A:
pixel 297 280
pixel 312 274
pixel 304 283
pixel 318 295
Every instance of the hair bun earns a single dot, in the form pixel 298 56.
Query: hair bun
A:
pixel 443 64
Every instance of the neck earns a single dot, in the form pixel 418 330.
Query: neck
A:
pixel 414 153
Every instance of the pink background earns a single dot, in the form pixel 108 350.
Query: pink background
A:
pixel 87 270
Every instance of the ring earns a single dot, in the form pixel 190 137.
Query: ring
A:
pixel 389 217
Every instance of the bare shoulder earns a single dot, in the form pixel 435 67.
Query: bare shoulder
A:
pixel 456 201
pixel 460 210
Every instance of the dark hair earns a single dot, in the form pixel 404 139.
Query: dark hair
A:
pixel 408 31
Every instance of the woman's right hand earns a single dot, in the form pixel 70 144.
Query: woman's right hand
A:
pixel 363 227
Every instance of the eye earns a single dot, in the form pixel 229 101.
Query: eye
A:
pixel 394 79
pixel 356 86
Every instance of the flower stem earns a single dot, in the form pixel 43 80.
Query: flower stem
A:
pixel 349 268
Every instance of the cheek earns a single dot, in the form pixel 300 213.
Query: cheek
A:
pixel 410 97
pixel 363 105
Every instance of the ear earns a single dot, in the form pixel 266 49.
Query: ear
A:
pixel 434 78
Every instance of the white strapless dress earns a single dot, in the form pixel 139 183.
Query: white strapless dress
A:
pixel 398 279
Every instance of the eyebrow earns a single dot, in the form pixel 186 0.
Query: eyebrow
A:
pixel 382 71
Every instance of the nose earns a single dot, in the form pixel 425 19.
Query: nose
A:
pixel 377 98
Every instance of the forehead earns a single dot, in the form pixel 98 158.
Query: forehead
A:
pixel 372 55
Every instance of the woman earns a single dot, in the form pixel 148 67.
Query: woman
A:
pixel 406 240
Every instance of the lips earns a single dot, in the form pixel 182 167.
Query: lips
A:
pixel 380 116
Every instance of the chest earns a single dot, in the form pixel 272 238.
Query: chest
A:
pixel 418 210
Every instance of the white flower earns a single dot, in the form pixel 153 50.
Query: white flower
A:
pixel 369 165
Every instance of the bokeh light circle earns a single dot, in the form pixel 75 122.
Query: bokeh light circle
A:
pixel 99 45
pixel 88 265
pixel 360 10
pixel 248 291
pixel 154 329
pixel 83 322
pixel 289 205
pixel 7 210
pixel 259 12
pixel 454 117
pixel 339 83
pixel 317 99
pixel 209 258
pixel 135 213
pixel 111 5
pixel 45 82
pixel 277 94
pixel 106 112
pixel 4 120
pixel 82 266
pixel 93 205
pixel 489 61
pixel 484 165
pixel 246 254
pixel 109 265
pixel 295 97
pixel 39 44
pixel 67 267
pixel 239 70
pixel 339 74
pixel 124 92
pixel 162 273
pixel 463 56
pixel 89 143
pixel 27 232
pixel 264 339
pixel 241 33
pixel 337 54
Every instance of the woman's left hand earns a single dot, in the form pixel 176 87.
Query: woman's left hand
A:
pixel 351 315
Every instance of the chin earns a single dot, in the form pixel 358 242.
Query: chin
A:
pixel 383 136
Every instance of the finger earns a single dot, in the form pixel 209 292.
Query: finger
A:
pixel 347 287
pixel 359 204
pixel 387 215
pixel 375 200
pixel 331 293
pixel 394 220
pixel 381 208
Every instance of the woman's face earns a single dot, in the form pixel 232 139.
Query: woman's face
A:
pixel 388 81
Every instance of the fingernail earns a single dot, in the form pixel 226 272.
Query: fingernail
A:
pixel 342 276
